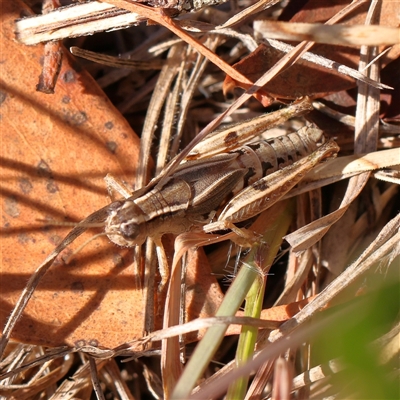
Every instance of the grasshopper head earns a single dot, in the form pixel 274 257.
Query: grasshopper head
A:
pixel 126 225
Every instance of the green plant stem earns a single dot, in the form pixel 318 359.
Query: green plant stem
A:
pixel 272 235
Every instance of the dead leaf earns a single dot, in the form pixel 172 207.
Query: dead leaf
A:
pixel 55 151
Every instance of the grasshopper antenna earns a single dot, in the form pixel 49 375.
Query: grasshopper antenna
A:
pixel 82 246
pixel 47 222
pixel 97 217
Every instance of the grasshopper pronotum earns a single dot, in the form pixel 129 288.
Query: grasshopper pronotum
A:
pixel 200 195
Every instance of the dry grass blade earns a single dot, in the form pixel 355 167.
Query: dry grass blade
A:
pixel 95 378
pixel 386 246
pixel 52 369
pixel 305 237
pixel 317 373
pixel 116 62
pixel 318 60
pixel 354 35
pixel 247 12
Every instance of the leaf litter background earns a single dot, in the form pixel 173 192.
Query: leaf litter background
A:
pixel 56 151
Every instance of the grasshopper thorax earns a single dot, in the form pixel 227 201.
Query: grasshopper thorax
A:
pixel 126 224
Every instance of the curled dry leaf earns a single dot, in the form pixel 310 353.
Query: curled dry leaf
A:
pixel 56 150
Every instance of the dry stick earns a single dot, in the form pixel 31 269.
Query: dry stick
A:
pixel 53 55
pixel 95 379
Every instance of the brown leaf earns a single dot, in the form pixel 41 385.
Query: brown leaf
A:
pixel 55 151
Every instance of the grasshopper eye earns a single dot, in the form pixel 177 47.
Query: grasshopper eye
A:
pixel 129 230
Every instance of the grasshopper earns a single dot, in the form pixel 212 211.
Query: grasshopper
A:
pixel 245 181
pixel 201 194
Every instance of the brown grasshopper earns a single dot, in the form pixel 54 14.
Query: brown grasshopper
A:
pixel 245 182
pixel 205 194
